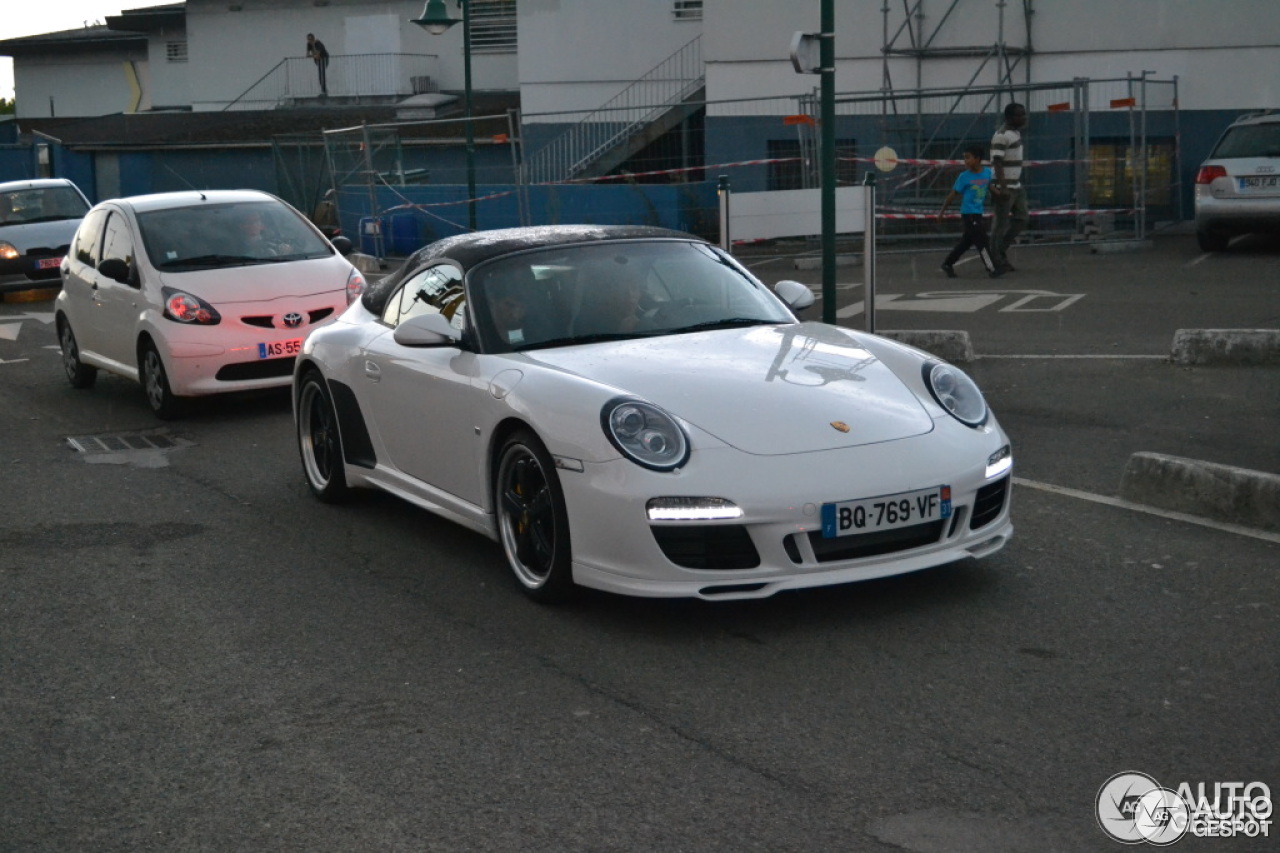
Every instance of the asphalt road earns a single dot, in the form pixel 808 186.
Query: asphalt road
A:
pixel 196 655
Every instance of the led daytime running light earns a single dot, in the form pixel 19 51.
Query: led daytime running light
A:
pixel 692 509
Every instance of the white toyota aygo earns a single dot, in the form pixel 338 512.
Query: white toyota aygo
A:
pixel 197 293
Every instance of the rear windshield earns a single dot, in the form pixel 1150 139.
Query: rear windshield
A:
pixel 1250 140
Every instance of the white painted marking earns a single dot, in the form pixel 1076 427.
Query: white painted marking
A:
pixel 1063 300
pixel 9 331
pixel 967 302
pixel 1099 357
pixel 1199 260
pixel 1237 529
pixel 41 317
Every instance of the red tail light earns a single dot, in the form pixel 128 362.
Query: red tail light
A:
pixel 1208 173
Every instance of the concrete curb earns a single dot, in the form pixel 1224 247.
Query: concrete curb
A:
pixel 1226 346
pixel 1221 492
pixel 954 346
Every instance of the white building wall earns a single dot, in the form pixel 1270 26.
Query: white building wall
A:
pixel 1225 53
pixel 79 85
pixel 577 54
pixel 167 83
pixel 229 51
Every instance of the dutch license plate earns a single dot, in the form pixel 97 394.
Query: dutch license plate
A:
pixel 886 512
pixel 48 263
pixel 1267 182
pixel 280 349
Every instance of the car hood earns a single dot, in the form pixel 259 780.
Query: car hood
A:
pixel 261 282
pixel 39 235
pixel 766 390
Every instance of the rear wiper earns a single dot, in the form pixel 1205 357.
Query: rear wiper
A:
pixel 725 323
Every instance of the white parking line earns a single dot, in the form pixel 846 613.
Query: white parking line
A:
pixel 1102 356
pixel 1237 529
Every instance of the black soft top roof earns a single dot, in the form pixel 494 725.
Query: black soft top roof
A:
pixel 471 250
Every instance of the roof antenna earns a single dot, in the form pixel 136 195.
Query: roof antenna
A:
pixel 190 185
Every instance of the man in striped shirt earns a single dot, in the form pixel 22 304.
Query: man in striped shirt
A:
pixel 1007 193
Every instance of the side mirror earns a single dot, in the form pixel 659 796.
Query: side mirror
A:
pixel 797 296
pixel 427 330
pixel 342 244
pixel 115 269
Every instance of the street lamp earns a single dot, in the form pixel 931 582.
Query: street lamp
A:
pixel 435 20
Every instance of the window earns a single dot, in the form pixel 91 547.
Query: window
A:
pixel 687 10
pixel 86 248
pixel 437 290
pixel 493 26
pixel 1112 169
pixel 175 51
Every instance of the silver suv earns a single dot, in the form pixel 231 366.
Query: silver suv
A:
pixel 1238 187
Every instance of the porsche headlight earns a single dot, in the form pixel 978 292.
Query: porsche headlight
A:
pixel 8 251
pixel 645 434
pixel 956 393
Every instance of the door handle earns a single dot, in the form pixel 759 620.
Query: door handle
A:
pixel 372 371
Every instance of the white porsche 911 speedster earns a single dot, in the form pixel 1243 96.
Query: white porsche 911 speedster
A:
pixel 629 409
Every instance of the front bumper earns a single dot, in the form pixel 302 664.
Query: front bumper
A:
pixel 615 547
pixel 27 272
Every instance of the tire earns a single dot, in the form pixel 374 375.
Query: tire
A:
pixel 533 525
pixel 320 441
pixel 1212 241
pixel 79 374
pixel 155 382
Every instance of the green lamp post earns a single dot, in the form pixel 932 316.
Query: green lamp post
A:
pixel 435 20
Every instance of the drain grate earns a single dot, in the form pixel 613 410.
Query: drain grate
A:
pixel 120 442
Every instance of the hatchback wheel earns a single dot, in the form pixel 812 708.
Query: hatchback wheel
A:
pixel 532 522
pixel 156 383
pixel 319 441
pixel 79 374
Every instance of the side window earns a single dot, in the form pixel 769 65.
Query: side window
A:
pixel 436 290
pixel 116 241
pixel 86 248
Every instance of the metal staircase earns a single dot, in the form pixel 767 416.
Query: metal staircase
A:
pixel 651 106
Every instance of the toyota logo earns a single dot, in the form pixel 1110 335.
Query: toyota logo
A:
pixel 292 320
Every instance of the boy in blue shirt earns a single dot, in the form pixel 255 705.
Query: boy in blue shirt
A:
pixel 971 187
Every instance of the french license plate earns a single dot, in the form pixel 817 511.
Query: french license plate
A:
pixel 48 263
pixel 1265 182
pixel 280 349
pixel 886 512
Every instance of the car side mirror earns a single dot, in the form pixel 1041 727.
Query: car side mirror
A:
pixel 116 270
pixel 342 244
pixel 797 296
pixel 427 330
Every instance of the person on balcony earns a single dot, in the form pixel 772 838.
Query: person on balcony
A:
pixel 316 50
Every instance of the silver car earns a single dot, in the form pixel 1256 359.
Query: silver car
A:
pixel 1238 187
pixel 37 220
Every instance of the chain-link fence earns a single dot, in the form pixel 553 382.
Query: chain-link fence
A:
pixel 1102 161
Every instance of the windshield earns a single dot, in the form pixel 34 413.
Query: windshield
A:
pixel 41 204
pixel 1250 140
pixel 612 291
pixel 204 236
